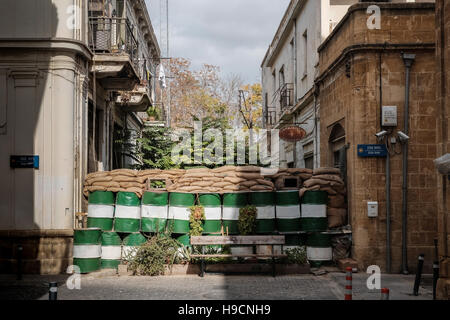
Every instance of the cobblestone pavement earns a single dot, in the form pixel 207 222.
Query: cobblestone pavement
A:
pixel 211 287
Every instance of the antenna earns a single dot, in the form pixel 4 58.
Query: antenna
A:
pixel 164 44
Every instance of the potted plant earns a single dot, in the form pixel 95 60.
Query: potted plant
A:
pixel 246 226
pixel 152 113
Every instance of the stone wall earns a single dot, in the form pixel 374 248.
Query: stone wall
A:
pixel 350 62
pixel 443 145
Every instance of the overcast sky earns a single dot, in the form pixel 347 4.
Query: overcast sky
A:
pixel 232 34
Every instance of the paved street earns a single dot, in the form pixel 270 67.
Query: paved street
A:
pixel 301 287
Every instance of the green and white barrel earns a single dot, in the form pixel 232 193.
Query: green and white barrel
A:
pixel 318 249
pixel 294 242
pixel 179 212
pixel 154 211
pixel 288 211
pixel 185 240
pixel 131 244
pixel 232 202
pixel 265 218
pixel 111 250
pixel 87 249
pixel 128 213
pixel 314 211
pixel 212 204
pixel 101 210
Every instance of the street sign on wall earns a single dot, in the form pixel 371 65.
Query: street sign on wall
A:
pixel 23 162
pixel 372 150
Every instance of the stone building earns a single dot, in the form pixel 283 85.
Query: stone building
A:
pixel 73 73
pixel 288 72
pixel 443 141
pixel 362 70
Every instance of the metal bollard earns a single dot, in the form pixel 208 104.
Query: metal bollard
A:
pixel 385 294
pixel 19 262
pixel 435 277
pixel 348 283
pixel 421 259
pixel 53 291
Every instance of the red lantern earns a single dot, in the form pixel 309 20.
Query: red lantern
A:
pixel 292 133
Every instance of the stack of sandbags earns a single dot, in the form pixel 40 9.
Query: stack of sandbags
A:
pixel 329 180
pixel 226 179
pixel 168 176
pixel 128 181
pixel 300 174
pixel 98 181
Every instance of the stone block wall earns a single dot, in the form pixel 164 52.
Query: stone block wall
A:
pixel 352 61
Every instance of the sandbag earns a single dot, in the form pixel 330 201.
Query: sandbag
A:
pixel 108 184
pixel 223 169
pixel 316 182
pixel 124 172
pixel 127 185
pixel 148 172
pixel 248 169
pixel 330 177
pixel 320 171
pixel 97 174
pixel 336 217
pixel 96 188
pixel 305 176
pixel 117 189
pixel 337 201
pixel 249 176
pixel 234 180
pixel 249 183
pixel 261 188
pixel 299 171
pixel 198 174
pixel 201 183
pixel 98 179
pixel 329 190
pixel 265 182
pixel 222 184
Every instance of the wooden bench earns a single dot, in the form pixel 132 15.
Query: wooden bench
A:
pixel 237 240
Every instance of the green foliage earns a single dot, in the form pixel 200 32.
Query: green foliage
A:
pixel 247 220
pixel 157 184
pixel 154 112
pixel 150 258
pixel 155 148
pixel 196 219
pixel 296 255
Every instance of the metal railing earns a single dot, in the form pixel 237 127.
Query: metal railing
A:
pixel 286 96
pixel 113 35
pixel 270 117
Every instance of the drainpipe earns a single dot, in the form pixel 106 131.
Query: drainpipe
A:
pixel 388 179
pixel 408 59
pixel 295 62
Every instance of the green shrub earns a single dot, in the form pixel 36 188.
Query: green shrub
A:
pixel 247 220
pixel 296 255
pixel 150 258
pixel 196 219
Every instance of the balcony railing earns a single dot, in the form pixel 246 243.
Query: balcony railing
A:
pixel 113 35
pixel 286 96
pixel 270 117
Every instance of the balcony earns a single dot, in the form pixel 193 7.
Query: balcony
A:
pixel 270 117
pixel 286 97
pixel 115 62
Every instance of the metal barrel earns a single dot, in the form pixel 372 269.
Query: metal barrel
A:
pixel 128 213
pixel 179 212
pixel 87 249
pixel 288 211
pixel 111 250
pixel 154 211
pixel 131 244
pixel 314 211
pixel 101 210
pixel 318 249
pixel 212 204
pixel 294 242
pixel 265 218
pixel 232 202
pixel 184 239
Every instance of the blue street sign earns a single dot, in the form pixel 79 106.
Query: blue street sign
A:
pixel 372 150
pixel 21 162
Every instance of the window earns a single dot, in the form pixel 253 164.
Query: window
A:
pixel 281 77
pixel 308 155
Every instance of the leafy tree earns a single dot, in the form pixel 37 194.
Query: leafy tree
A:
pixel 155 148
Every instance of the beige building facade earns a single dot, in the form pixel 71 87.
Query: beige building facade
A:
pixel 65 67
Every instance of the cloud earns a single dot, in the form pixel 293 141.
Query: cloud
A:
pixel 232 34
